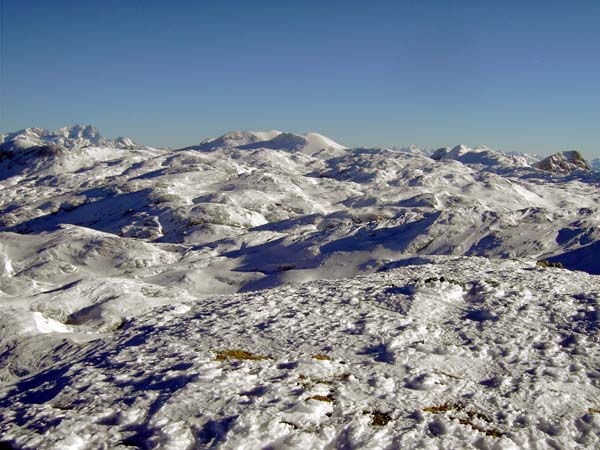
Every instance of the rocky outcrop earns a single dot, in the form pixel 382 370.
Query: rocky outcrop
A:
pixel 563 163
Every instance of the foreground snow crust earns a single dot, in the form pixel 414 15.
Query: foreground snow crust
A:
pixel 451 353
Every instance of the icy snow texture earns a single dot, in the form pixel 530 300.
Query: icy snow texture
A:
pixel 120 264
pixel 454 353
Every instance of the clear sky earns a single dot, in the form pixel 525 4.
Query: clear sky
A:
pixel 513 75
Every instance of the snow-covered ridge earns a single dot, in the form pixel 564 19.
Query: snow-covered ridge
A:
pixel 308 143
pixel 235 139
pixel 34 150
pixel 73 137
pixel 480 155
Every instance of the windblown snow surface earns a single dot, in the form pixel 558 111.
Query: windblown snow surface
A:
pixel 278 290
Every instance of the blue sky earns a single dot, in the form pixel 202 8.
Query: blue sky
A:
pixel 513 75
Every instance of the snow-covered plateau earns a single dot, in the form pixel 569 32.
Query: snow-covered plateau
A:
pixel 280 291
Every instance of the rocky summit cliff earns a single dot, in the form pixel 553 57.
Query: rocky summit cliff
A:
pixel 563 163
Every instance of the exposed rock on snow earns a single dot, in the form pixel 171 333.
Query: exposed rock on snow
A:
pixel 563 163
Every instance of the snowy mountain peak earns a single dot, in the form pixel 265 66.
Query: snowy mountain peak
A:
pixel 235 139
pixel 35 150
pixel 70 137
pixel 318 142
pixel 412 149
pixel 460 149
pixel 89 132
pixel 308 143
pixel 284 141
pixel 563 162
pixel 479 156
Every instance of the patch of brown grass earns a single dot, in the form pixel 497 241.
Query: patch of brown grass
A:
pixel 237 354
pixel 487 431
pixel 547 264
pixel 378 418
pixel 468 420
pixel 322 398
pixel 321 357
pixel 444 407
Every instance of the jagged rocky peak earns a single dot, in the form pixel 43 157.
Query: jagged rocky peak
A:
pixel 563 163
pixel 73 137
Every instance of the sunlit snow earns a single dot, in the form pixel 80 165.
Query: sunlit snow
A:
pixel 280 290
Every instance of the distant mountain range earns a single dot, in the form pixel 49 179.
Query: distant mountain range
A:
pixel 79 137
pixel 73 137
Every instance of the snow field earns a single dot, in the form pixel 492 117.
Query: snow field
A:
pixel 459 352
pixel 155 298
